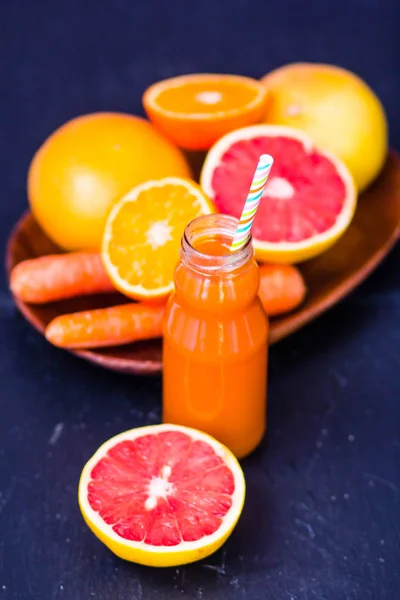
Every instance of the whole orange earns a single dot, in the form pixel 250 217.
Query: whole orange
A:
pixel 88 164
pixel 338 111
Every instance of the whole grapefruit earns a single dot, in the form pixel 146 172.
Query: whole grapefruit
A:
pixel 88 164
pixel 336 108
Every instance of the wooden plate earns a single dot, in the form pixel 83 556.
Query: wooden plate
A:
pixel 329 277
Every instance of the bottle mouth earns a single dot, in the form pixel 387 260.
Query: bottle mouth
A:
pixel 214 231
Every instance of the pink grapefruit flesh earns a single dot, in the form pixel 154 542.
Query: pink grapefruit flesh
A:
pixel 309 198
pixel 163 496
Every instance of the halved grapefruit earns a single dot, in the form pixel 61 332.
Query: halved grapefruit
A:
pixel 162 495
pixel 309 199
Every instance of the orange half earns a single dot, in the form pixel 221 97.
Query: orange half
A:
pixel 143 233
pixel 195 110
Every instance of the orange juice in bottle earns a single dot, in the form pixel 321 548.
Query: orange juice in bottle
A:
pixel 216 338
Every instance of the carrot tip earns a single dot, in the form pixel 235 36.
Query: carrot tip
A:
pixel 54 333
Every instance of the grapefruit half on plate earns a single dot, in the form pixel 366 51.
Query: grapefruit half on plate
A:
pixel 309 199
pixel 163 495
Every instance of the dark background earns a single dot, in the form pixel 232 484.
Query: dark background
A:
pixel 322 514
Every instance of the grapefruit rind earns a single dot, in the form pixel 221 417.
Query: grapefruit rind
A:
pixel 162 556
pixel 140 292
pixel 152 93
pixel 285 252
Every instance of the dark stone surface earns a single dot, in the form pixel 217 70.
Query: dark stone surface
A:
pixel 321 519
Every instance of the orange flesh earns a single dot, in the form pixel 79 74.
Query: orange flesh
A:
pixel 146 235
pixel 215 354
pixel 205 97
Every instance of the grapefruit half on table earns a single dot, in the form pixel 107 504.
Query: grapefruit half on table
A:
pixel 308 202
pixel 162 495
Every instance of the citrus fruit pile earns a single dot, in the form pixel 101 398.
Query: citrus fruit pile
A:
pixel 118 189
pixel 95 162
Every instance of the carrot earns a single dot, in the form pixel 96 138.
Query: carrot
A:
pixel 59 276
pixel 112 326
pixel 282 288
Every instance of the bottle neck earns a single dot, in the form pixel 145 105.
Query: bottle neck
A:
pixel 210 277
pixel 205 246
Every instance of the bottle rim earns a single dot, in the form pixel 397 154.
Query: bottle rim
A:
pixel 212 226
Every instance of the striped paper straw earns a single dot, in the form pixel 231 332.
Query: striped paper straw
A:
pixel 252 201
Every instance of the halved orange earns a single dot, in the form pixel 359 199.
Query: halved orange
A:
pixel 195 110
pixel 143 232
pixel 162 495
